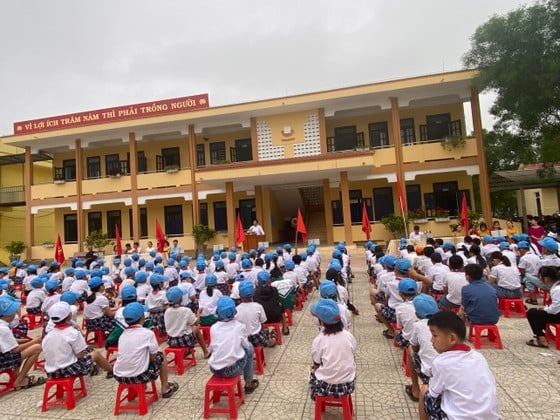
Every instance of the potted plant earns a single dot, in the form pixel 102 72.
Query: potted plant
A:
pixel 114 172
pixel 419 216
pixel 170 169
pixel 99 241
pixel 15 248
pixel 453 142
pixel 202 234
pixel 441 214
pixel 394 224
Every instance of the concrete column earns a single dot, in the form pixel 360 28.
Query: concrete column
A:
pixel 328 211
pixel 133 189
pixel 254 139
pixel 81 220
pixel 396 134
pixel 194 188
pixel 345 197
pixel 230 207
pixel 259 204
pixel 29 218
pixel 483 177
pixel 322 131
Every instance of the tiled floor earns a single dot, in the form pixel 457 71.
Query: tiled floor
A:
pixel 528 378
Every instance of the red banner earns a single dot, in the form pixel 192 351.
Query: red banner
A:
pixel 108 115
pixel 59 251
pixel 160 237
pixel 465 215
pixel 239 231
pixel 118 241
pixel 366 226
pixel 300 226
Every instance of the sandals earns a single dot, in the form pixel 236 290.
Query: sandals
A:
pixel 31 382
pixel 94 370
pixel 387 335
pixel 408 390
pixel 286 331
pixel 172 388
pixel 531 301
pixel 534 343
pixel 251 386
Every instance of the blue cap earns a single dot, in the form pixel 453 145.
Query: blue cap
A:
pixel 158 269
pixel 141 262
pixel 4 270
pixel 523 245
pixel 210 280
pixel 127 262
pixel 239 277
pixel 37 282
pixel 263 277
pixel 425 305
pixel 504 245
pixel 95 282
pixel 69 297
pixel 335 265
pixel 69 271
pixel 156 279
pixel 246 263
pixel 174 294
pixel 31 267
pixel 219 264
pixel 389 261
pixel 246 289
pixel 326 310
pixel 117 261
pixel 149 266
pixel 105 270
pixel 55 264
pixel 96 273
pixel 517 237
pixel 129 271
pixel 4 283
pixel 133 312
pixel 14 263
pixel 232 256
pixel 185 275
pixel 129 292
pixel 200 265
pixel 51 285
pixel 225 308
pixel 447 245
pixel 252 253
pixel 289 265
pixel 183 264
pixel 153 253
pixel 81 274
pixel 407 286
pixel 279 249
pixel 403 265
pixel 327 289
pixel 287 247
pixel 487 238
pixel 170 261
pixel 135 256
pixel 158 259
pixel 8 305
pixel 140 277
pixel 336 253
pixel 79 263
pixel 550 244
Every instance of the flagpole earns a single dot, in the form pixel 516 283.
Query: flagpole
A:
pixel 296 241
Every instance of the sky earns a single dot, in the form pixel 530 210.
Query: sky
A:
pixel 66 56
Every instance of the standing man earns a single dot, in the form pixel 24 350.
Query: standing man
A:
pixel 256 229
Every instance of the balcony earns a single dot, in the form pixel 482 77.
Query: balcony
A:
pixel 11 196
pixel 347 142
pixel 432 151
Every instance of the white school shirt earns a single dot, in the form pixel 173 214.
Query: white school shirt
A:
pixel 36 297
pixel 392 290
pixel 27 282
pixel 232 269
pixel 488 249
pixel 531 263
pixel 188 292
pixel 511 257
pixel 60 347
pixel 554 307
pixel 406 317
pixel 383 279
pixel 437 271
pixel 424 264
pixel 142 292
pixel 251 275
pixel 95 309
pixel 335 355
pixel 422 337
pixel 221 276
pixel 506 277
pixel 73 320
pixel 171 273
pixel 300 273
pixel 208 304
pixel 67 283
pixel 228 341
pixel 466 385
pixel 455 281
pixel 156 300
pixel 342 294
pixel 7 339
pixel 252 315
pixel 550 260
pixel 135 346
pixel 50 301
pixel 198 280
pixel 79 286
pixel 178 321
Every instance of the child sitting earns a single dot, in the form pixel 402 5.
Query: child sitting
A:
pixel 208 301
pixel 479 300
pixel 143 289
pixel 453 282
pixel 66 351
pixel 327 289
pixel 180 323
pixel 269 298
pixel 97 313
pixel 157 302
pixel 404 312
pixel 231 352
pixel 252 315
pixel 462 384
pixel 51 286
pixel 550 314
pixel 139 359
pixel 36 296
pixel 333 352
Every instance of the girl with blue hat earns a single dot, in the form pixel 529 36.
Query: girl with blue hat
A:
pixel 157 301
pixel 36 296
pixel 208 301
pixel 97 312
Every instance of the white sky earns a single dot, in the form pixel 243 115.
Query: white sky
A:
pixel 69 56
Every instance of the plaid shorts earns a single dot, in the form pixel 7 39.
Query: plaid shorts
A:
pixel 400 340
pixel 10 360
pixel 388 313
pixel 433 408
pixel 380 297
pixel 149 375
pixel 157 316
pixel 260 338
pixel 103 323
pixel 224 288
pixel 187 340
pixel 417 362
pixel 325 389
pixel 80 367
pixel 21 330
pixel 34 311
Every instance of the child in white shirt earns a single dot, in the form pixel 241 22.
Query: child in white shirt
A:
pixel 208 301
pixel 252 315
pixel 453 283
pixel 36 296
pixel 404 312
pixel 97 312
pixel 53 297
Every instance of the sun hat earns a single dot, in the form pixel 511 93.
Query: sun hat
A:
pixel 407 286
pixel 59 312
pixel 327 289
pixel 133 312
pixel 246 289
pixel 425 305
pixel 225 309
pixel 326 310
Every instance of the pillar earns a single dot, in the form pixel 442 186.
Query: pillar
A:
pixel 254 139
pixel 230 207
pixel 194 188
pixel 483 177
pixel 328 211
pixel 29 218
pixel 79 198
pixel 345 197
pixel 259 208
pixel 322 131
pixel 396 134
pixel 133 189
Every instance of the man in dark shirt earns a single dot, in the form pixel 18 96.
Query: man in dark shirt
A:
pixel 478 299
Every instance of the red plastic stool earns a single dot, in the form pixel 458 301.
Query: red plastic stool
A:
pixel 95 338
pixel 288 313
pixel 303 294
pixel 512 306
pixel 62 386
pixel 258 356
pixel 34 320
pixel 492 335
pixel 205 330
pixel 278 328
pixel 546 299
pixel 109 354
pixel 553 337
pixel 217 386
pixel 299 304
pixel 345 402
pixel 145 397
pixel 9 385
pixel 404 363
pixel 183 358
pixel 159 336
pixel 39 364
pixel 396 330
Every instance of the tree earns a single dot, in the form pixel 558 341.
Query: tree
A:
pixel 517 55
pixel 98 240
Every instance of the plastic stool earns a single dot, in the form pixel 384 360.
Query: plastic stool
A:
pixel 345 402
pixel 95 338
pixel 218 386
pixel 145 397
pixel 39 364
pixel 493 335
pixel 205 330
pixel 180 355
pixel 396 330
pixel 512 306
pixel 546 299
pixel 299 304
pixel 553 337
pixel 110 351
pixel 278 328
pixel 288 313
pixel 258 357
pixel 9 385
pixel 62 386
pixel 159 336
pixel 404 362
pixel 34 320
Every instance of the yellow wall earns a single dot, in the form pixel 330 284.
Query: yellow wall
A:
pixel 549 201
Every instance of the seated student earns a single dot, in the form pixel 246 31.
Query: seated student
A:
pixel 66 351
pixel 479 301
pixel 436 273
pixel 157 302
pixel 70 298
pixel 252 315
pixel 421 352
pixel 36 296
pixel 462 385
pixel 505 277
pixel 80 283
pixel 385 275
pixel 208 300
pixel 404 312
pixel 143 288
pixel 97 313
pixel 454 282
pixel 189 292
pixel 550 314
pixel 19 357
pixel 269 298
pixel 286 288
pixel 139 359
pixel 231 352
pixel 328 290
pixel 333 353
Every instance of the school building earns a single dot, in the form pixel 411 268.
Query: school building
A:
pixel 183 162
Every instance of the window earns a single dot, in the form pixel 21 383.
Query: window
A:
pixel 141 163
pixel 378 134
pixel 220 216
pixel 445 196
pixel 383 202
pixel 94 222
pixel 143 222
pixel 439 126
pixel 337 217
pixel 243 150
pixel 112 165
pixel 356 205
pixel 171 159
pixel 413 197
pixel 69 169
pixel 203 213
pixel 247 212
pixel 70 228
pixel 93 167
pixel 407 131
pixel 217 152
pixel 345 138
pixel 200 155
pixel 113 218
pixel 173 220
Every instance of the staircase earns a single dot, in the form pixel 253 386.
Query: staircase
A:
pixel 315 225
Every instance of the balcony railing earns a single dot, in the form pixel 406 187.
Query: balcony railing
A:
pixel 12 195
pixel 348 142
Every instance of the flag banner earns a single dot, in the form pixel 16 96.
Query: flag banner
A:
pixel 118 244
pixel 402 201
pixel 300 226
pixel 160 237
pixel 465 214
pixel 58 251
pixel 239 231
pixel 366 226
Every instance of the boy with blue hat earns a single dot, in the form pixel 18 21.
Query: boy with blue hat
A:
pixel 51 286
pixel 269 298
pixel 139 359
pixel 252 315
pixel 404 312
pixel 36 296
pixel 97 310
pixel 143 289
pixel 208 300
pixel 328 290
pixel 231 351
pixel 30 274
pixel 79 285
pixel 171 272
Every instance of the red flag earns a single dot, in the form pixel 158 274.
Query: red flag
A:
pixel 402 201
pixel 300 226
pixel 465 214
pixel 118 241
pixel 239 231
pixel 160 237
pixel 366 227
pixel 58 251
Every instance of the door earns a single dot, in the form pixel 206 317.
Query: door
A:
pixel 247 212
pixel 445 196
pixel 383 202
pixel 243 150
pixel 345 138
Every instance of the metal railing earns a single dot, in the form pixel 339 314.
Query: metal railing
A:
pixel 11 195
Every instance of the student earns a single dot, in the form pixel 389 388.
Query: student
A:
pixel 475 257
pixel 208 300
pixel 505 277
pixel 143 289
pixel 436 273
pixel 550 314
pixel 139 359
pixel 328 290
pixel 404 312
pixel 51 286
pixel 462 385
pixel 97 313
pixel 549 258
pixel 333 354
pixel 269 298
pixel 479 300
pixel 19 357
pixel 66 352
pixel 157 302
pixel 80 283
pixel 70 298
pixel 454 282
pixel 180 323
pixel 231 352
pixel 252 315
pixel 36 296
pixel 31 273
